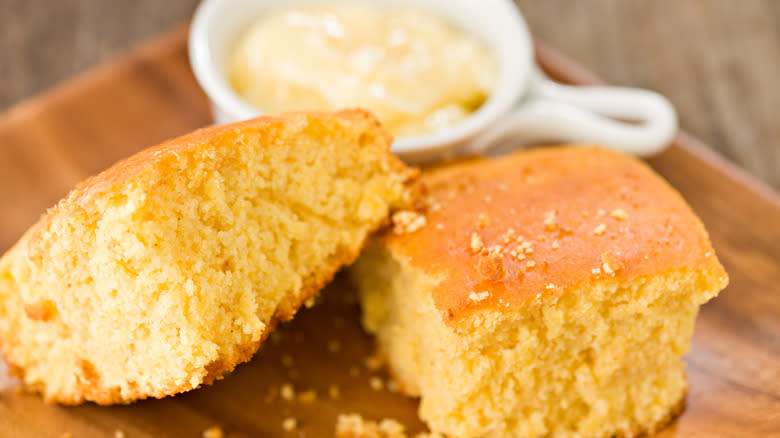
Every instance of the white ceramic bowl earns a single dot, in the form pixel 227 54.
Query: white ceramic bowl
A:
pixel 524 106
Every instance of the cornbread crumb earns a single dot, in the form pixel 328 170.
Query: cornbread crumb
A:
pixel 595 271
pixel 556 244
pixel 407 221
pixel 508 236
pixel 601 212
pixel 307 397
pixel 495 251
pixel 476 243
pixel 477 297
pixel 599 230
pixel 550 286
pixel 334 392
pixel 482 220
pixel 334 346
pixel 287 391
pixel 549 220
pixel 289 424
pixel 530 264
pixel 213 432
pixel 376 383
pixel 619 214
pixel 119 433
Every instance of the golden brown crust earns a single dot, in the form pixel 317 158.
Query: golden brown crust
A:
pixel 501 229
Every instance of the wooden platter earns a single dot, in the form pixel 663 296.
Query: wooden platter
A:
pixel 50 142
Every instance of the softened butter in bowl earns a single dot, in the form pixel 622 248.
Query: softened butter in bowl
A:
pixel 413 69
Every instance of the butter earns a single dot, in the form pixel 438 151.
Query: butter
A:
pixel 413 69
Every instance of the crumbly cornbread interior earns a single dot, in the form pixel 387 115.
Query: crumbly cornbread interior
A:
pixel 161 279
pixel 598 358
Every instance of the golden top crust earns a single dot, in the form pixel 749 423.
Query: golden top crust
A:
pixel 503 231
pixel 166 157
pixel 206 139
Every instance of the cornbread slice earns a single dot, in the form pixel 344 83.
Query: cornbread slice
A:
pixel 549 293
pixel 169 268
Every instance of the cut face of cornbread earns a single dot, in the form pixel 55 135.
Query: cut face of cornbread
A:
pixel 550 293
pixel 169 268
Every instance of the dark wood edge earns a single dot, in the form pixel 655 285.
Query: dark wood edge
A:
pixel 566 71
pixel 555 65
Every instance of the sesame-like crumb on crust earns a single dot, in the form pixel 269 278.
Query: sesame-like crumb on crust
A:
pixel 616 205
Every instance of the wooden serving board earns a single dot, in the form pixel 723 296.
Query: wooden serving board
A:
pixel 49 143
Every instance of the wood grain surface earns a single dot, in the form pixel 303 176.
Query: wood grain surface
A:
pixel 49 143
pixel 717 60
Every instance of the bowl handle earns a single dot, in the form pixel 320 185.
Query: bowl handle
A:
pixel 634 121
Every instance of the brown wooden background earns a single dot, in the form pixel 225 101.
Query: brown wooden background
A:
pixel 717 60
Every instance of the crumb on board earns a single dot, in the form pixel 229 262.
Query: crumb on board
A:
pixel 334 392
pixel 599 230
pixel 307 397
pixel 213 432
pixel 289 424
pixel 355 426
pixel 119 433
pixel 376 383
pixel 287 391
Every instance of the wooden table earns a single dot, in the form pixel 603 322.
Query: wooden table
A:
pixel 49 143
pixel 717 60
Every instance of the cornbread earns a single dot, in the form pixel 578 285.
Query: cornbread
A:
pixel 166 270
pixel 550 293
